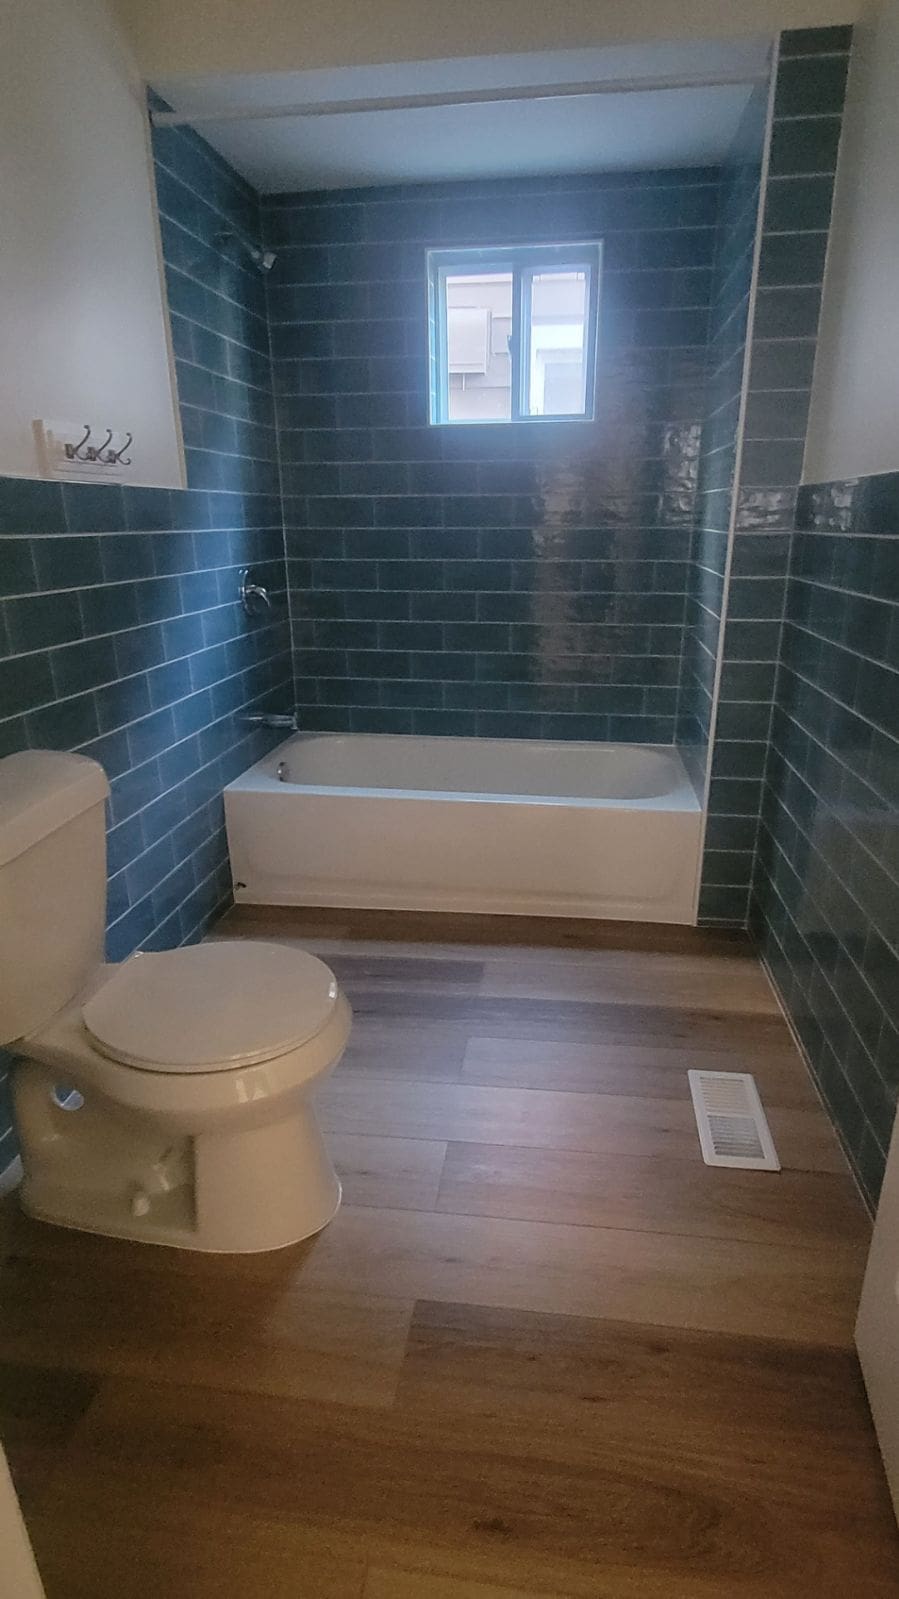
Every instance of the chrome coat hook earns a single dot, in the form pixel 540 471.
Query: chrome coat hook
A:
pixel 118 456
pixel 73 451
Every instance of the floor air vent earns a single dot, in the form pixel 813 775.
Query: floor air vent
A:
pixel 733 1130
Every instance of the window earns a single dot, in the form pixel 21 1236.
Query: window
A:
pixel 513 332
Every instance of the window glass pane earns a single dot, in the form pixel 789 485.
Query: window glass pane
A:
pixel 557 344
pixel 478 333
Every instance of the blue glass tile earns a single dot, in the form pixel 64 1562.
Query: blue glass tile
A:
pixel 25 682
pixel 148 509
pixel 804 144
pixel 122 702
pixel 109 609
pixel 814 41
pixel 36 621
pixel 77 667
pixel 17 564
pixel 809 86
pixel 94 507
pixel 125 556
pixel 28 506
pixel 67 724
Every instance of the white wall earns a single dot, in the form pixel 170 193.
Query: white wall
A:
pixel 853 428
pixel 18 1574
pixel 190 37
pixel 83 331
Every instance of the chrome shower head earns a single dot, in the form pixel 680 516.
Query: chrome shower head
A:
pixel 262 260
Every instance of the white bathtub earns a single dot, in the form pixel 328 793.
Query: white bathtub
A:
pixel 463 824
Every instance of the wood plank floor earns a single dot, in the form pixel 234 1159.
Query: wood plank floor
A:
pixel 542 1352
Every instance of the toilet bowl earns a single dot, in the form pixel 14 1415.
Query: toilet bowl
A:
pixel 166 1099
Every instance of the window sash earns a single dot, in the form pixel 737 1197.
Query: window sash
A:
pixel 524 264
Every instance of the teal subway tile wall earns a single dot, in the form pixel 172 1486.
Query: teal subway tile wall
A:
pixel 500 580
pixel 804 137
pixel 825 903
pixel 731 285
pixel 806 757
pixel 218 316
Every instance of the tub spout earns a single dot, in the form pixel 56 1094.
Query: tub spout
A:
pixel 272 719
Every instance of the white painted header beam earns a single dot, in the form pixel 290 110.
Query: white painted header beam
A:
pixel 455 97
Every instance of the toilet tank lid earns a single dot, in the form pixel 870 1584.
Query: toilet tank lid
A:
pixel 41 790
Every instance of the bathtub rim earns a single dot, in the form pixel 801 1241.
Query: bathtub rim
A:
pixel 261 777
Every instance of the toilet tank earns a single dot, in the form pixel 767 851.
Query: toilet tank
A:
pixel 52 884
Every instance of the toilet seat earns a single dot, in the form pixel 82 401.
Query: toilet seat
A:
pixel 212 1007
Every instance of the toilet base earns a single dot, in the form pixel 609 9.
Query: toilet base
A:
pixel 261 1188
pixel 173 1235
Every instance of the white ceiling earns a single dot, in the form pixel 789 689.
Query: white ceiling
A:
pixel 669 126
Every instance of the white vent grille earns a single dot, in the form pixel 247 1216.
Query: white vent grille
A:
pixel 733 1130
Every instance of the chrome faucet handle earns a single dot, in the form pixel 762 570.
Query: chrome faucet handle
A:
pixel 253 596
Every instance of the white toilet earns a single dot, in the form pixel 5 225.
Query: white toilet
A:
pixel 168 1098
